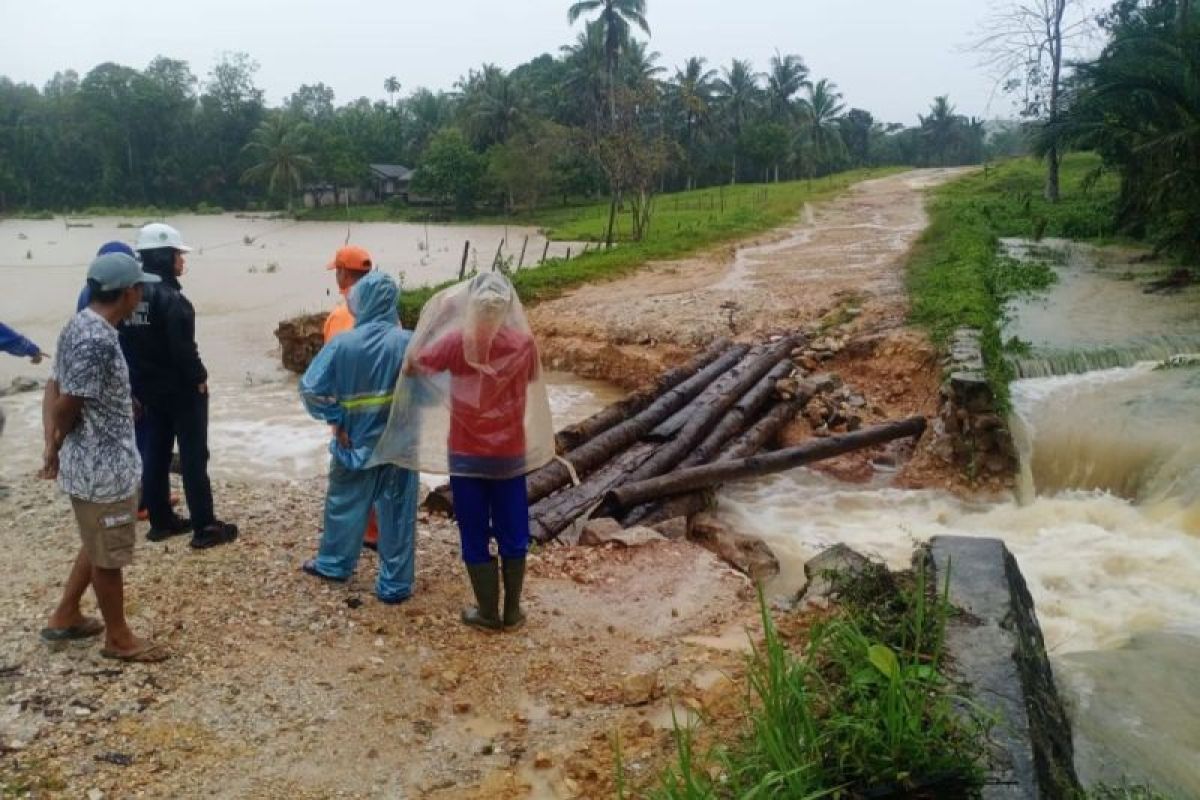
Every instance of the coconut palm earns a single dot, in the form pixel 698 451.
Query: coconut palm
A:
pixel 615 18
pixel 585 73
pixel 491 106
pixel 280 146
pixel 692 90
pixel 737 90
pixel 820 111
pixel 391 85
pixel 786 77
pixel 939 128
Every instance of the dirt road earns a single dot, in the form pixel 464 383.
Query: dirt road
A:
pixel 847 253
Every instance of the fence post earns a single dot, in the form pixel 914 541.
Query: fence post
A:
pixel 545 250
pixel 496 259
pixel 568 254
pixel 462 268
pixel 524 244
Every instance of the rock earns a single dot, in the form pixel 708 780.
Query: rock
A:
pixel 640 688
pixel 629 537
pixel 746 554
pixel 823 569
pixel 674 528
pixel 461 707
pixel 599 531
pixel 787 388
pixel 95 794
pixel 20 385
pixel 825 382
pixel 542 760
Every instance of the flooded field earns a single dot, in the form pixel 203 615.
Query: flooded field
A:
pixel 244 275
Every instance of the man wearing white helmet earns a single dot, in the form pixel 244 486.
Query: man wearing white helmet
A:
pixel 161 339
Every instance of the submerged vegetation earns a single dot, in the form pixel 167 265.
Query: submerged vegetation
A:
pixel 859 708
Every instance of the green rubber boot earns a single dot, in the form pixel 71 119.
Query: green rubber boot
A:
pixel 485 582
pixel 513 570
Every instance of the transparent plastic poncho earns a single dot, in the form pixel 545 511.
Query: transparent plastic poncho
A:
pixel 471 399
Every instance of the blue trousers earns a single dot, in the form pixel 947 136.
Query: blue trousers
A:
pixel 487 509
pixel 392 492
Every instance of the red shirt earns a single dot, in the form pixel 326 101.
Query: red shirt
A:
pixel 487 409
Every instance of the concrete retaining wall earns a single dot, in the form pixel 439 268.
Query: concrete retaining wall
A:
pixel 995 647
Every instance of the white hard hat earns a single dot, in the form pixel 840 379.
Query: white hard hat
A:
pixel 156 235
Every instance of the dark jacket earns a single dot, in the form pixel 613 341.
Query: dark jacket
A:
pixel 159 341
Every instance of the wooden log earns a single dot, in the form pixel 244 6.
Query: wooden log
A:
pixel 601 448
pixel 462 268
pixel 687 480
pixel 711 405
pixel 715 445
pixel 756 437
pixel 551 515
pixel 575 435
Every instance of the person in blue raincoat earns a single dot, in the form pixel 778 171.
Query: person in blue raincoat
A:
pixel 349 385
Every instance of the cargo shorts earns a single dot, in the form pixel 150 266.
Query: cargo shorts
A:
pixel 107 531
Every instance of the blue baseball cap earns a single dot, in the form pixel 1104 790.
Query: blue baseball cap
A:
pixel 118 271
pixel 116 247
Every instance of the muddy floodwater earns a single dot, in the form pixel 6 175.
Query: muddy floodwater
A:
pixel 244 275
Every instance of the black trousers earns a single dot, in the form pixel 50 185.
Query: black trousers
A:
pixel 181 418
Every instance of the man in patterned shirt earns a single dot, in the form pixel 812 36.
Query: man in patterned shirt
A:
pixel 90 449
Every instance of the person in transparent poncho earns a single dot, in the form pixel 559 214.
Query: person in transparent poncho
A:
pixel 472 403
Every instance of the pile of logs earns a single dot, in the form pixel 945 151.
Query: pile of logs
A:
pixel 659 453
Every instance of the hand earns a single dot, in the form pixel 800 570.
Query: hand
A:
pixel 37 359
pixel 139 410
pixel 343 438
pixel 203 388
pixel 49 469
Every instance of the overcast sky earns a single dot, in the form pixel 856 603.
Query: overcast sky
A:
pixel 888 56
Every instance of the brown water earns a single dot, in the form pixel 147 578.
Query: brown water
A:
pixel 1106 525
pixel 244 276
pixel 259 429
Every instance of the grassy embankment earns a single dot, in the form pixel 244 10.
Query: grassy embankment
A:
pixel 957 276
pixel 854 706
pixel 682 223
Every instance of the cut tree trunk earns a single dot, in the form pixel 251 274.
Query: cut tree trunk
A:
pixel 603 447
pixel 703 415
pixel 552 515
pixel 575 435
pixel 688 480
pixel 751 440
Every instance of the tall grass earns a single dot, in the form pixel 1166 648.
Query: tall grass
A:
pixel 863 709
pixel 956 273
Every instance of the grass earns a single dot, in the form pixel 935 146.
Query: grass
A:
pixel 862 710
pixel 957 275
pixel 683 223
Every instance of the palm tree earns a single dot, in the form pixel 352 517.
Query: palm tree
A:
pixel 492 105
pixel 640 69
pixel 787 76
pixel 391 85
pixel 693 88
pixel 585 78
pixel 938 129
pixel 279 146
pixel 821 109
pixel 737 91
pixel 615 18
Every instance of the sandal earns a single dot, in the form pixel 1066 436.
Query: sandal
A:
pixel 147 653
pixel 310 568
pixel 86 629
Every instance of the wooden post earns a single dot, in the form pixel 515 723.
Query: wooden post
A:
pixel 568 258
pixel 462 268
pixel 722 192
pixel 545 250
pixel 496 259
pixel 524 244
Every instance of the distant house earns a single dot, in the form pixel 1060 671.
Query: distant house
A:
pixel 317 195
pixel 390 180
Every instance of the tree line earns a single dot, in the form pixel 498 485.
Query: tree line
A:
pixel 602 117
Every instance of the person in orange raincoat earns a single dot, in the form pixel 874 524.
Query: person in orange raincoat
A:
pixel 350 264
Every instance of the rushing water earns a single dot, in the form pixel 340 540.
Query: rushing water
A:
pixel 1105 525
